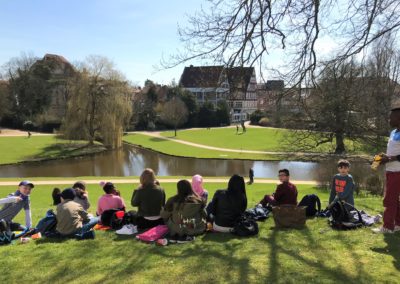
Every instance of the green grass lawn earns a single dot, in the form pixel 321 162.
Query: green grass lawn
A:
pixel 259 139
pixel 177 149
pixel 19 149
pixel 315 254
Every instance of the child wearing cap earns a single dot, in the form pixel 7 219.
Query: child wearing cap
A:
pixel 110 200
pixel 14 203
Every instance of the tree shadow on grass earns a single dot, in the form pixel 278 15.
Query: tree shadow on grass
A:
pixel 158 139
pixel 66 150
pixel 231 267
pixel 277 250
pixel 392 248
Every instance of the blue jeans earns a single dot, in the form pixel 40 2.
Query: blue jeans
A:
pixel 88 226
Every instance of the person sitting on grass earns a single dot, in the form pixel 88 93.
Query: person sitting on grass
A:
pixel 197 185
pixel 342 187
pixel 285 193
pixel 149 198
pixel 14 203
pixel 110 200
pixel 72 219
pixel 56 195
pixel 228 205
pixel 81 194
pixel 184 214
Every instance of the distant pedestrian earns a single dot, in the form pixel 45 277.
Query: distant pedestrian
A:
pixel 243 126
pixel 251 176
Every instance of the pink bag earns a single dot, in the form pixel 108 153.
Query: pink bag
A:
pixel 153 234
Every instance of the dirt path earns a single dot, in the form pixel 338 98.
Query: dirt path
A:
pixel 136 181
pixel 6 132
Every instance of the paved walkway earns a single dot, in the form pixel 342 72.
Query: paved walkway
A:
pixel 136 181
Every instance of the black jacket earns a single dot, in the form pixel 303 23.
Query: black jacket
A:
pixel 149 200
pixel 226 207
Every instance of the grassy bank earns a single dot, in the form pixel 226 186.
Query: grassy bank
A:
pixel 22 149
pixel 213 139
pixel 258 139
pixel 315 254
pixel 176 149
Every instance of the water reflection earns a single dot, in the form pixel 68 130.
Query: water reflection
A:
pixel 130 161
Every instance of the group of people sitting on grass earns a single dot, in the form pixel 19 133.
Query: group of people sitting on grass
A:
pixel 186 214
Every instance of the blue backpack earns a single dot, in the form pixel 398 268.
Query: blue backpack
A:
pixel 6 235
pixel 47 224
pixel 312 204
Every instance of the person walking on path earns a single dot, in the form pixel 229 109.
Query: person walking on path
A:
pixel 251 176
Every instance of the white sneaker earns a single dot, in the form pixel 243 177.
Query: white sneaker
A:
pixel 127 230
pixel 378 218
pixel 396 228
pixel 382 230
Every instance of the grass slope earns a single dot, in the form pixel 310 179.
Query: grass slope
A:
pixel 177 149
pixel 259 139
pixel 315 254
pixel 18 149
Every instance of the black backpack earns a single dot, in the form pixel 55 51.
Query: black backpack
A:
pixel 312 204
pixel 6 235
pixel 111 218
pixel 342 219
pixel 245 226
pixel 48 224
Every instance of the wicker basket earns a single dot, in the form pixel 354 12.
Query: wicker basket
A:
pixel 289 216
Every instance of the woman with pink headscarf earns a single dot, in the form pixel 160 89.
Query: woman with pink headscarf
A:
pixel 197 185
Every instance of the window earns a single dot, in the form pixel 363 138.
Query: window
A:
pixel 238 104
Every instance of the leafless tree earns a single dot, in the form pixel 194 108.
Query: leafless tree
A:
pixel 237 32
pixel 352 101
pixel 174 113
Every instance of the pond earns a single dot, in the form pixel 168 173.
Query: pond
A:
pixel 131 160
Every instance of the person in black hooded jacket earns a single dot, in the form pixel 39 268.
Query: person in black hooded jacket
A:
pixel 228 205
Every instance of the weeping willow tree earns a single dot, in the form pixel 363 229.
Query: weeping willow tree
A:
pixel 99 107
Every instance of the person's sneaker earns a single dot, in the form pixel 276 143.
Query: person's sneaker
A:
pixel 382 230
pixel 185 239
pixel 172 238
pixel 378 218
pixel 127 230
pixel 27 233
pixel 396 228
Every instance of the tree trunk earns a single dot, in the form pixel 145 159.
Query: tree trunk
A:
pixel 340 149
pixel 175 130
pixel 91 119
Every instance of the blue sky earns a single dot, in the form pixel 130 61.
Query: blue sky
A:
pixel 135 34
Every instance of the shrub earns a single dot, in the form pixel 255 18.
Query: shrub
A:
pixel 256 116
pixel 264 122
